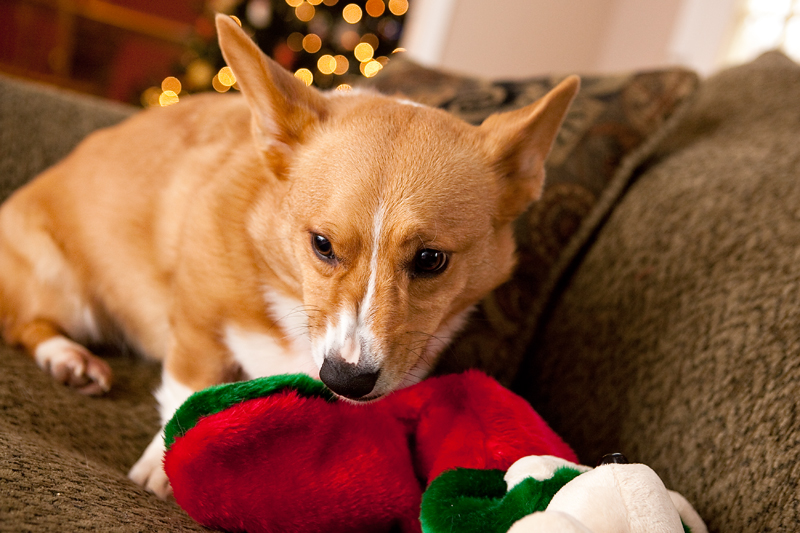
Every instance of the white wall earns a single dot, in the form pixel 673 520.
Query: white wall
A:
pixel 529 36
pixel 703 32
pixel 517 38
pixel 638 34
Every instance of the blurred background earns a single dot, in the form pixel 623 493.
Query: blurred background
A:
pixel 151 52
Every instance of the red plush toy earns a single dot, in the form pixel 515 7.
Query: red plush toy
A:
pixel 282 454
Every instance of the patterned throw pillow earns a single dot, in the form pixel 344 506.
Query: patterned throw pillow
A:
pixel 610 129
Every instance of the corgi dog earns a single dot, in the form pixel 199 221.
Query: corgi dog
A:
pixel 345 235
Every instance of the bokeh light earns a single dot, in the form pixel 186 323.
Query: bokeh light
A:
pixel 389 28
pixel 326 64
pixel 259 13
pixel 364 52
pixel 344 87
pixel 342 65
pixel 305 12
pixel 375 8
pixel 226 76
pixel 352 13
pixel 168 98
pixel 312 43
pixel 150 97
pixel 349 40
pixel 305 75
pixel 295 42
pixel 370 68
pixel 398 7
pixel 198 74
pixel 171 83
pixel 219 86
pixel 320 43
pixel 372 39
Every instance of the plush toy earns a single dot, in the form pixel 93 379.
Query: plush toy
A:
pixel 282 454
pixel 557 496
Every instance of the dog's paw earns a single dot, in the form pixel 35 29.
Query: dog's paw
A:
pixel 148 472
pixel 72 364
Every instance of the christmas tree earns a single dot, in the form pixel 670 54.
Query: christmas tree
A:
pixel 327 43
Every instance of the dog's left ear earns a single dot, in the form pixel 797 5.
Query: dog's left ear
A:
pixel 283 107
pixel 519 142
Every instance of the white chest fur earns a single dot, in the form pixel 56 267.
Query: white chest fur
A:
pixel 265 353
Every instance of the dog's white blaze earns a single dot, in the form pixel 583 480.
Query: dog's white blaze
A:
pixel 365 309
pixel 346 327
pixel 341 336
pixel 260 354
pixel 346 337
pixel 326 345
pixel 366 303
pixel 351 350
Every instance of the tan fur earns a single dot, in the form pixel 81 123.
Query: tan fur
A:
pixel 171 226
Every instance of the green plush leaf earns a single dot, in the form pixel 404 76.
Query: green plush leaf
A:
pixel 219 397
pixel 476 501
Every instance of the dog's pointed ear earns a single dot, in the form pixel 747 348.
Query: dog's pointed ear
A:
pixel 519 142
pixel 283 107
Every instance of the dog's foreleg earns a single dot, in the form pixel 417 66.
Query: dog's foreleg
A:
pixel 148 471
pixel 196 360
pixel 67 361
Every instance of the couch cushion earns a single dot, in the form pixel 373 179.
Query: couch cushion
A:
pixel 64 457
pixel 610 129
pixel 677 340
pixel 40 125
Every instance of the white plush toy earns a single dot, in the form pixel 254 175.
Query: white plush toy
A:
pixel 613 498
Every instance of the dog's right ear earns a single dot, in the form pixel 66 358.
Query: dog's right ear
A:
pixel 283 107
pixel 520 141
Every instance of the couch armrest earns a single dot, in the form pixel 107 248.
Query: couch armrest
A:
pixel 677 339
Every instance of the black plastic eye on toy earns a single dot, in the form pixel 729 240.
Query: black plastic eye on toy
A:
pixel 613 458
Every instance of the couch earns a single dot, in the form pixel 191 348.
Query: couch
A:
pixel 655 310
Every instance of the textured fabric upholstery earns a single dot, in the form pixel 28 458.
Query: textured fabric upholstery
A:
pixel 677 339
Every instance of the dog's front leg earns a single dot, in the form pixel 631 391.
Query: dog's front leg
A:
pixel 190 366
pixel 148 471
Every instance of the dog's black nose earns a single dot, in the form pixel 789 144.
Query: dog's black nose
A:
pixel 346 379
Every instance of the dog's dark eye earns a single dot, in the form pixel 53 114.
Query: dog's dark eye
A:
pixel 322 247
pixel 429 262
